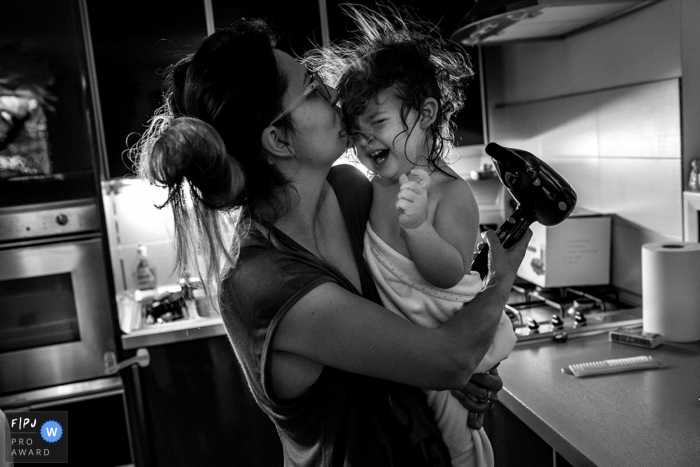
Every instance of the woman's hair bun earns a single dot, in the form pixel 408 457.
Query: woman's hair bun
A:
pixel 191 149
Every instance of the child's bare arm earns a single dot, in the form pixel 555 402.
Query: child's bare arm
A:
pixel 441 251
pixel 457 219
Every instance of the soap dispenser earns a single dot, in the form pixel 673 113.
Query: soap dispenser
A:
pixel 145 273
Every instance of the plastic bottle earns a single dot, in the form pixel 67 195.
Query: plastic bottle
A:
pixel 694 181
pixel 145 273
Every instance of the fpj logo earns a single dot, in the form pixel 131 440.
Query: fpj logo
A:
pixel 37 437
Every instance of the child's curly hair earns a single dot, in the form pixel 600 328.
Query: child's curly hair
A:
pixel 393 47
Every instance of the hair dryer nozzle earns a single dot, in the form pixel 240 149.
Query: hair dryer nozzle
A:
pixel 542 194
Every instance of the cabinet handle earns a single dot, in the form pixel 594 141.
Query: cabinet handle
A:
pixel 142 358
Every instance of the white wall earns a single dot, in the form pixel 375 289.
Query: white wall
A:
pixel 133 219
pixel 604 108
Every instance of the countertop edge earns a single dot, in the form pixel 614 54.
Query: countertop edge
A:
pixel 544 430
pixel 171 333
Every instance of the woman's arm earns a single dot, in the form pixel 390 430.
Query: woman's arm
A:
pixel 331 326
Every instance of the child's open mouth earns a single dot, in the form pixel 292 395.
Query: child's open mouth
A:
pixel 378 157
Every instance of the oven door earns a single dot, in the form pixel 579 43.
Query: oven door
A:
pixel 55 320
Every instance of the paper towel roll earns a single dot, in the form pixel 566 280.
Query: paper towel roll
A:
pixel 671 290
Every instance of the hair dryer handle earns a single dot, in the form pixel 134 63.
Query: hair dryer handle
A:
pixel 508 233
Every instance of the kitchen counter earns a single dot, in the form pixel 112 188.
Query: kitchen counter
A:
pixel 645 417
pixel 177 331
pixel 637 418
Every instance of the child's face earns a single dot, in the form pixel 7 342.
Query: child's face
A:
pixel 384 144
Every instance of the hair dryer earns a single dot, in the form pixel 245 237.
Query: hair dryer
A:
pixel 542 194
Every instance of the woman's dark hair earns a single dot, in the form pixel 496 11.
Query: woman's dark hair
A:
pixel 204 143
pixel 394 47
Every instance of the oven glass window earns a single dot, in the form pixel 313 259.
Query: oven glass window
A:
pixel 37 311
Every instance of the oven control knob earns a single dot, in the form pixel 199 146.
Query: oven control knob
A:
pixel 579 318
pixel 560 336
pixel 532 324
pixel 557 322
pixel 61 219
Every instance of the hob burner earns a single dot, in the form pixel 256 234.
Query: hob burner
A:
pixel 560 313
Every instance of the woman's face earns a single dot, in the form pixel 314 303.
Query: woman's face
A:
pixel 317 123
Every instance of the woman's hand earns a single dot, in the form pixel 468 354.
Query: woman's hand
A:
pixel 479 395
pixel 500 261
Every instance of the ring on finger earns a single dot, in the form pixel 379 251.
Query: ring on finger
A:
pixel 487 398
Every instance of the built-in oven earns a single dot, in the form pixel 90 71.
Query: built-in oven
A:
pixel 55 321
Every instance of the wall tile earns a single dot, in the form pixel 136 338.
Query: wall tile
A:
pixel 627 243
pixel 584 175
pixel 620 150
pixel 645 192
pixel 641 121
pixel 573 128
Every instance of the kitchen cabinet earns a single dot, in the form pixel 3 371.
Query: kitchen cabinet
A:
pixel 96 427
pixel 134 42
pixel 43 56
pixel 198 409
pixel 299 23
pixel 515 444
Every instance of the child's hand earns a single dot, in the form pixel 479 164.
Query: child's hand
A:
pixel 413 199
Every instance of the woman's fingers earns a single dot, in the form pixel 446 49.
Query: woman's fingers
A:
pixel 475 420
pixel 472 405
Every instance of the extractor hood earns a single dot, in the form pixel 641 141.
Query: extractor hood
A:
pixel 500 21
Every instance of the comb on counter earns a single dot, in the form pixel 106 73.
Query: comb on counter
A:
pixel 616 365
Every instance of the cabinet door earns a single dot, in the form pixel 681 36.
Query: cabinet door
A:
pixel 515 444
pixel 96 430
pixel 298 23
pixel 199 409
pixel 50 153
pixel 133 42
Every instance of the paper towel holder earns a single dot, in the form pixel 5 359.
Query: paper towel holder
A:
pixel 691 216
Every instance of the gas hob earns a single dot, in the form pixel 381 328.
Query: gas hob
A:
pixel 563 313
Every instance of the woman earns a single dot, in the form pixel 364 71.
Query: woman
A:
pixel 247 129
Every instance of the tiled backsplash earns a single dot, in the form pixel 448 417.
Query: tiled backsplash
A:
pixel 619 148
pixel 603 108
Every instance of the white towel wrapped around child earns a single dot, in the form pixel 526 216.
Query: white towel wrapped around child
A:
pixel 404 291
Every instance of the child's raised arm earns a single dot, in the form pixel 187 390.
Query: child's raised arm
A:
pixel 442 250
